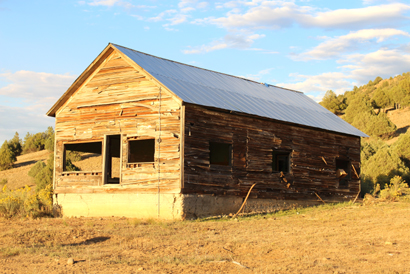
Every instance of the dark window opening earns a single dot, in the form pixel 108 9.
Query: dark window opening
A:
pixel 343 172
pixel 280 161
pixel 112 159
pixel 140 151
pixel 220 154
pixel 83 157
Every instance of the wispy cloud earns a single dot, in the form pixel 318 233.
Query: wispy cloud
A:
pixel 120 3
pixel 383 63
pixel 358 69
pixel 35 86
pixel 258 76
pixel 335 47
pixel 238 41
pixel 29 95
pixel 282 14
pixel 337 81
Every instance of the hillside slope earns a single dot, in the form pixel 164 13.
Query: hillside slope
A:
pixel 18 176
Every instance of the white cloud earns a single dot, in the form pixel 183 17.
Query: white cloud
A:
pixel 177 19
pixel 358 18
pixel 359 69
pixel 202 5
pixel 160 17
pixel 36 92
pixel 383 63
pixel 239 41
pixel 108 3
pixel 139 17
pixel 192 3
pixel 337 81
pixel 258 76
pixel 336 46
pixel 35 85
pixel 121 3
pixel 188 9
pixel 22 120
pixel 279 14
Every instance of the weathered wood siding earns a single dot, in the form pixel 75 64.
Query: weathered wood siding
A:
pixel 313 157
pixel 119 99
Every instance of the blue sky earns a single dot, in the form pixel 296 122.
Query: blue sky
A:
pixel 308 45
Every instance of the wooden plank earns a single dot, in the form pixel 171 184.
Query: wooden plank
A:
pixel 253 141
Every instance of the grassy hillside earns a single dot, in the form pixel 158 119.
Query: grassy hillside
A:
pixel 17 177
pixel 381 109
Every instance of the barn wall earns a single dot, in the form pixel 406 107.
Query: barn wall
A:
pixel 118 99
pixel 313 155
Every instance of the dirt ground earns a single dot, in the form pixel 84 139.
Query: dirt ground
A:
pixel 328 239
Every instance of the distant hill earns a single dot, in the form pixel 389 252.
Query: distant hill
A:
pixel 379 108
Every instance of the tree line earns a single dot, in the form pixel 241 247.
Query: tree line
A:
pixel 14 147
pixel 364 107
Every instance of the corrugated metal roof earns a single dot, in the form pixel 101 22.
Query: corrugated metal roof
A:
pixel 208 88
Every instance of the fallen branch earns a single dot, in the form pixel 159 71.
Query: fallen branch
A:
pixel 319 197
pixel 244 266
pixel 357 196
pixel 244 202
pixel 355 172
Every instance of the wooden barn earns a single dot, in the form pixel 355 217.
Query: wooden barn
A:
pixel 170 140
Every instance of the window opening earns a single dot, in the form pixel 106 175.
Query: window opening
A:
pixel 112 159
pixel 83 157
pixel 140 151
pixel 343 172
pixel 280 161
pixel 220 154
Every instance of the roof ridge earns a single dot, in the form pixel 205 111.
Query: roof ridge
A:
pixel 206 69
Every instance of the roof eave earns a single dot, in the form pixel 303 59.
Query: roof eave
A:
pixel 272 119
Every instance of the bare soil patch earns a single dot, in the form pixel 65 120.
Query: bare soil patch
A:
pixel 401 118
pixel 339 239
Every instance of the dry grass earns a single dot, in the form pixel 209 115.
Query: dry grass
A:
pixel 401 118
pixel 340 239
pixel 18 177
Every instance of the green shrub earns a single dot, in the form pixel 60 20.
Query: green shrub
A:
pixel 69 166
pixel 22 203
pixel 36 169
pixel 372 124
pixel 384 165
pixel 395 189
pixel 15 144
pixel 7 156
pixel 3 182
pixel 366 185
pixel 335 104
pixel 49 143
pixel 73 156
pixel 43 173
pixel 37 142
pixel 402 146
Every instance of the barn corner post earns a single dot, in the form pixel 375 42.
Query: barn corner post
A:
pixel 159 152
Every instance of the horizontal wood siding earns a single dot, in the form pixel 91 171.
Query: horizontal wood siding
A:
pixel 118 99
pixel 313 157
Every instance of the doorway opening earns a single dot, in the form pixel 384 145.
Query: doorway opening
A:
pixel 112 165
